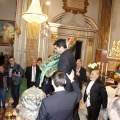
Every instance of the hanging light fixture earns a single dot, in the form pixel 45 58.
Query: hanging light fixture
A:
pixel 34 13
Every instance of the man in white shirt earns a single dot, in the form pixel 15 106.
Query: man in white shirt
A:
pixel 95 95
pixel 32 73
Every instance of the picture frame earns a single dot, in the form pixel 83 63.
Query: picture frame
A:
pixel 75 6
pixel 7 31
pixel 5 50
pixel 112 65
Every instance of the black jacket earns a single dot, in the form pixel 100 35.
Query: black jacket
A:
pixel 98 95
pixel 82 76
pixel 60 105
pixel 28 75
pixel 66 64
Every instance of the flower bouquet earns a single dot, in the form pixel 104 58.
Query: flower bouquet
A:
pixel 94 66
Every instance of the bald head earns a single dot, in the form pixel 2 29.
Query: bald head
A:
pixel 94 75
pixel 34 62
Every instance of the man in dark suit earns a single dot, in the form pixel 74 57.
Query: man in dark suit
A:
pixel 95 95
pixel 80 73
pixel 66 62
pixel 32 73
pixel 60 105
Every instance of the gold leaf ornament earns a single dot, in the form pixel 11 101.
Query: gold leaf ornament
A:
pixel 17 29
pixel 73 40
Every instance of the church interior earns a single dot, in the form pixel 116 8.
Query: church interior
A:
pixel 27 32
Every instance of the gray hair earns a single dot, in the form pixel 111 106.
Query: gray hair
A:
pixel 79 60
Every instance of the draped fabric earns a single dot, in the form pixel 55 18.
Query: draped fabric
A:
pixel 49 66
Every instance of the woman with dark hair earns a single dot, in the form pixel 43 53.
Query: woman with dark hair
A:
pixel 39 61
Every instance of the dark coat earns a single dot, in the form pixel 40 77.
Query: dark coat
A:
pixel 47 86
pixel 82 76
pixel 66 64
pixel 16 79
pixel 98 95
pixel 28 75
pixel 60 105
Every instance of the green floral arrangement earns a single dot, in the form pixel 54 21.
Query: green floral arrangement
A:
pixel 94 66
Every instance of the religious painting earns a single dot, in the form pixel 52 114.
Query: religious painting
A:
pixel 7 31
pixel 75 6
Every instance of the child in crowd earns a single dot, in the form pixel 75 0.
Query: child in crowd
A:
pixel 3 86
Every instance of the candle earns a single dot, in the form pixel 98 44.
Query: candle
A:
pixel 102 68
pixel 106 69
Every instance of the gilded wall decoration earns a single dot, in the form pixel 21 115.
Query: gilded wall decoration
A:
pixel 89 52
pixel 54 37
pixel 105 24
pixel 90 42
pixel 75 6
pixel 32 43
pixel 115 50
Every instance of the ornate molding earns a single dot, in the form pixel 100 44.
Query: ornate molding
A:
pixel 17 29
pixel 90 42
pixel 115 50
pixel 75 6
pixel 54 37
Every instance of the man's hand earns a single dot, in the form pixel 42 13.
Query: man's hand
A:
pixel 71 76
pixel 77 73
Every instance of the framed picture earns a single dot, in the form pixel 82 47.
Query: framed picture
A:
pixel 112 65
pixel 75 6
pixel 5 50
pixel 7 31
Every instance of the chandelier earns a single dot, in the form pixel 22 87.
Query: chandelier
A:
pixel 34 13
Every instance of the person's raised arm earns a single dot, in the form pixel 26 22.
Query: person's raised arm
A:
pixel 75 85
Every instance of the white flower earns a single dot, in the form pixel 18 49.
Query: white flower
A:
pixel 90 65
pixel 94 65
pixel 98 63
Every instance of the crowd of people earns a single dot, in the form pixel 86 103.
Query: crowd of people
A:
pixel 63 88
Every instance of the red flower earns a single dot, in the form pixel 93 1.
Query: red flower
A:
pixel 69 39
